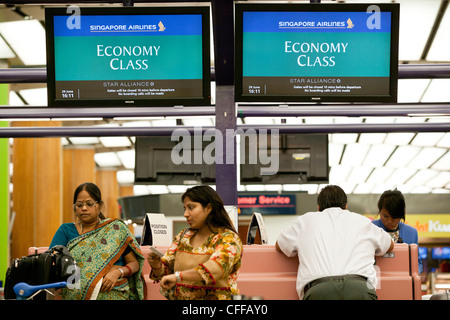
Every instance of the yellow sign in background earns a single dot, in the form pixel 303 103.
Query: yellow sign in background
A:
pixel 430 225
pixel 427 225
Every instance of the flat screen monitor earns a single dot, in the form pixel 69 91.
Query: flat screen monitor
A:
pixel 162 161
pixel 128 56
pixel 316 52
pixel 296 159
pixel 440 253
pixel 136 207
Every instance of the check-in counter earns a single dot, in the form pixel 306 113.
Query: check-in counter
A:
pixel 269 274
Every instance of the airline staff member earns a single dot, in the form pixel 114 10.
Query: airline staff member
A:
pixel 336 249
pixel 392 208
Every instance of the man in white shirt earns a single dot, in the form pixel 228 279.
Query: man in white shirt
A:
pixel 336 249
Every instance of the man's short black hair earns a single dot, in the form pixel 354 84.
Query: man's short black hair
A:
pixel 332 196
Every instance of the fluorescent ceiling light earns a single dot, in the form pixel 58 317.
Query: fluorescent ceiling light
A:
pixel 359 174
pixel 258 120
pixel 399 138
pixel 318 120
pixel 198 121
pixel 379 119
pixel 255 187
pixel 440 180
pixel 443 163
pixel 440 191
pixel 402 156
pixel 381 187
pixel 427 139
pixel 362 188
pixel 64 141
pixel 422 177
pixel 5 50
pixel 445 141
pixel 378 154
pixel 347 120
pixel 291 187
pixel 400 176
pixel 426 157
pixel 338 174
pixel 440 48
pixel 420 190
pixel 84 140
pixel 354 154
pixel 127 157
pixel 107 159
pixel 334 153
pixel 139 190
pixel 411 90
pixel 78 119
pixel 27 39
pixel 343 137
pixel 138 123
pixel 158 189
pixel 372 138
pixel 35 97
pixel 125 176
pixel 274 187
pixel 379 175
pixel 177 188
pixel 405 188
pixel 14 100
pixel 414 35
pixel 309 188
pixel 292 120
pixel 348 187
pixel 438 90
pixel 164 123
pixel 115 141
pixel 411 119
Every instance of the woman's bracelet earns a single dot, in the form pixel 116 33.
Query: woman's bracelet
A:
pixel 121 273
pixel 130 272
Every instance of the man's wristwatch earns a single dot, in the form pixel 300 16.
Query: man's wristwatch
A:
pixel 178 276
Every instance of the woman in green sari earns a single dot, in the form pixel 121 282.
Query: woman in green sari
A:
pixel 107 254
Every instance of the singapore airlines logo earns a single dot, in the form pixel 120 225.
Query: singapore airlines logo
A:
pixel 350 24
pixel 161 26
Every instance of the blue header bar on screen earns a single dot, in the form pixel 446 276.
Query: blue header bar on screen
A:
pixel 125 25
pixel 314 21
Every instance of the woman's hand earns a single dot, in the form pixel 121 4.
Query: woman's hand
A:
pixel 110 279
pixel 154 261
pixel 168 281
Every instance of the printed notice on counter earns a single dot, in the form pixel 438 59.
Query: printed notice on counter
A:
pixel 155 232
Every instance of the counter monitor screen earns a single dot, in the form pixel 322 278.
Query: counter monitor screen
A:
pixel 128 56
pixel 316 52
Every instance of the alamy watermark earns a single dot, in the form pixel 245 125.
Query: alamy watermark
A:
pixel 262 146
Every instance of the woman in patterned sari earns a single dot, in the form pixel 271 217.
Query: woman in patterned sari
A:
pixel 204 260
pixel 107 254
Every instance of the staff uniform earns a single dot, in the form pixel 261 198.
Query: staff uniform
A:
pixel 333 242
pixel 406 233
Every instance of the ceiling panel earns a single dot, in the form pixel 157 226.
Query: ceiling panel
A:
pixel 360 163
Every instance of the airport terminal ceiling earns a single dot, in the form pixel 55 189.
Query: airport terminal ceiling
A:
pixel 414 162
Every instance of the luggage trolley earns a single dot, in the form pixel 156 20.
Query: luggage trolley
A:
pixel 25 291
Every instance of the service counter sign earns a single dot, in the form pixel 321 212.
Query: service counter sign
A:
pixel 266 204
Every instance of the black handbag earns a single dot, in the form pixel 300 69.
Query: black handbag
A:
pixel 53 265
